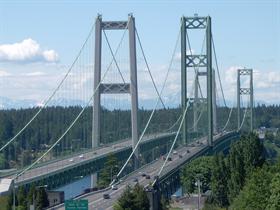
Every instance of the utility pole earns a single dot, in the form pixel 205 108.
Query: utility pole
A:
pixel 198 184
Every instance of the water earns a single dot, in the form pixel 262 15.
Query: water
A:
pixel 179 192
pixel 75 188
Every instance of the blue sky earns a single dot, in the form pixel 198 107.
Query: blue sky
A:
pixel 246 33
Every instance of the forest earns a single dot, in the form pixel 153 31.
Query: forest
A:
pixel 115 125
pixel 243 179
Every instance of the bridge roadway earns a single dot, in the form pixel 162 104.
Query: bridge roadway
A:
pixel 96 200
pixel 45 169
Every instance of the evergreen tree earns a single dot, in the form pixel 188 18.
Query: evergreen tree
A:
pixel 132 199
pixel 255 193
pixel 236 171
pixel 126 201
pixel 22 201
pixel 141 199
pixel 274 198
pixel 9 204
pixel 31 194
pixel 108 172
pixel 163 205
pixel 41 199
pixel 219 181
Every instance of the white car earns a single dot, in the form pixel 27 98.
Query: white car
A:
pixel 114 187
pixel 81 156
pixel 71 160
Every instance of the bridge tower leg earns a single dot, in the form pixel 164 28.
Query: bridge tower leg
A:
pixel 97 78
pixel 184 76
pixel 214 89
pixel 245 91
pixel 188 61
pixel 209 81
pixel 115 88
pixel 195 104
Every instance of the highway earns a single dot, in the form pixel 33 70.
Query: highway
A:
pixel 96 200
pixel 51 167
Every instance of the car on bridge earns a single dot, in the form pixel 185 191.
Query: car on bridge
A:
pixel 106 196
pixel 114 187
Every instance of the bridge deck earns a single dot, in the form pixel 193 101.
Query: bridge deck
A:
pixel 53 167
pixel 96 200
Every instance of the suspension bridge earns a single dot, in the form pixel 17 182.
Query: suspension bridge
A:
pixel 197 129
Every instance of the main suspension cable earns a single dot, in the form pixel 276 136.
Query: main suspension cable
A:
pixel 154 84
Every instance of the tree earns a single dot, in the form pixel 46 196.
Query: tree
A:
pixel 41 198
pixel 31 194
pixel 109 170
pixel 255 194
pixel 126 201
pixel 141 198
pixel 199 168
pixel 236 171
pixel 9 204
pixel 22 202
pixel 131 199
pixel 274 198
pixel 219 185
pixel 163 205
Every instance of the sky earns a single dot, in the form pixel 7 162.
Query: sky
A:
pixel 40 39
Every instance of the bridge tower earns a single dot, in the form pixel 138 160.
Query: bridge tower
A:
pixel 197 101
pixel 189 61
pixel 245 91
pixel 115 88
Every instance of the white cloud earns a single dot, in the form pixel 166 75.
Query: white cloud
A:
pixel 26 51
pixel 4 73
pixel 36 73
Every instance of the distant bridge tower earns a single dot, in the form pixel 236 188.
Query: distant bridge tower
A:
pixel 189 61
pixel 198 101
pixel 245 91
pixel 116 88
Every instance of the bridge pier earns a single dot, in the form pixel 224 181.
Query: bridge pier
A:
pixel 93 180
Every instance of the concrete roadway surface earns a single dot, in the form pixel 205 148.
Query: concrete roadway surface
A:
pixel 96 200
pixel 61 164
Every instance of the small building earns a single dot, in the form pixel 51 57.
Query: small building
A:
pixel 55 197
pixel 5 186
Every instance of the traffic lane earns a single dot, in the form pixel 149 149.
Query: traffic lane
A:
pixel 52 167
pixel 152 171
pixel 115 194
pixel 66 162
pixel 98 198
